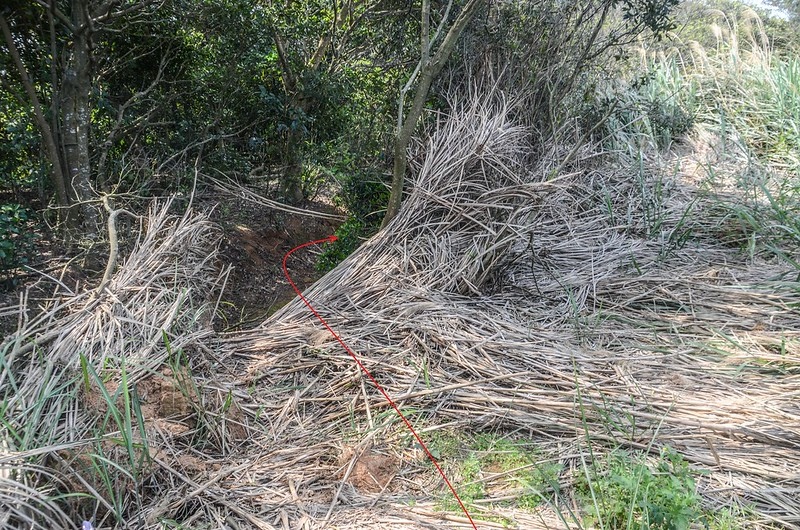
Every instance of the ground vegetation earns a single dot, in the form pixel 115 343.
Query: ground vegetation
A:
pixel 568 249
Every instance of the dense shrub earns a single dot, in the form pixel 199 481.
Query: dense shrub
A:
pixel 16 238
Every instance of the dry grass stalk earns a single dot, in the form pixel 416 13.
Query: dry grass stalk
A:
pixel 567 311
pixel 235 189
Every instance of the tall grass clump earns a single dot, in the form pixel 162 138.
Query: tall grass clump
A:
pixel 643 114
pixel 730 94
pixel 751 98
pixel 750 90
pixel 624 491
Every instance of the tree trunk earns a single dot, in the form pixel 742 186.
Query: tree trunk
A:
pixel 48 138
pixel 429 71
pixel 298 96
pixel 76 118
pixel 292 181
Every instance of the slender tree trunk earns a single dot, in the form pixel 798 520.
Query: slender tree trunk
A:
pixel 298 96
pixel 48 138
pixel 292 183
pixel 429 71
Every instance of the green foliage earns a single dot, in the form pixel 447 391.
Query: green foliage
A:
pixel 123 416
pixel 175 84
pixel 670 103
pixel 733 82
pixel 555 49
pixel 738 83
pixel 766 217
pixel 490 465
pixel 516 457
pixel 624 491
pixel 791 7
pixel 732 518
pixel 655 15
pixel 29 423
pixel 471 487
pixel 302 90
pixel 351 234
pixel 748 94
pixel 655 108
pixel 20 167
pixel 363 196
pixel 16 236
pixel 444 445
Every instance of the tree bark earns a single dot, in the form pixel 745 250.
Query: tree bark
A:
pixel 76 117
pixel 430 69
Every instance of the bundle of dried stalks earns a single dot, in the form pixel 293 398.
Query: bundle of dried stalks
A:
pixel 593 309
pixel 73 422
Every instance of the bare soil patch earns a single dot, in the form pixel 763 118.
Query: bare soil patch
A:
pixel 255 241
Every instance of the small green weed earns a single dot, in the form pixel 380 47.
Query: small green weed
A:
pixel 490 466
pixel 444 445
pixel 351 234
pixel 515 460
pixel 364 196
pixel 624 492
pixel 727 519
pixel 471 487
pixel 121 455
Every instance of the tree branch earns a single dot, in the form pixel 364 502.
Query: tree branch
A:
pixel 201 143
pixel 425 33
pixel 427 74
pixel 64 19
pixel 55 112
pixel 12 90
pixel 104 13
pixel 289 82
pixel 135 98
pixel 442 23
pixel 113 242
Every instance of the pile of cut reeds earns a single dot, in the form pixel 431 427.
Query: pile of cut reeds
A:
pixel 585 311
pixel 75 443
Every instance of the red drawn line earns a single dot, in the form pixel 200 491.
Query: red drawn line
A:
pixel 367 372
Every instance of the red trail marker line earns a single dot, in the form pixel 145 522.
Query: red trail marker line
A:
pixel 367 372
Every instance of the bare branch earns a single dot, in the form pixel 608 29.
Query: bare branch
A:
pixel 135 98
pixel 425 33
pixel 442 23
pixel 200 143
pixel 289 82
pixel 406 127
pixel 113 244
pixel 105 14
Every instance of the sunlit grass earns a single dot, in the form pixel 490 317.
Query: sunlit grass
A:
pixel 747 98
